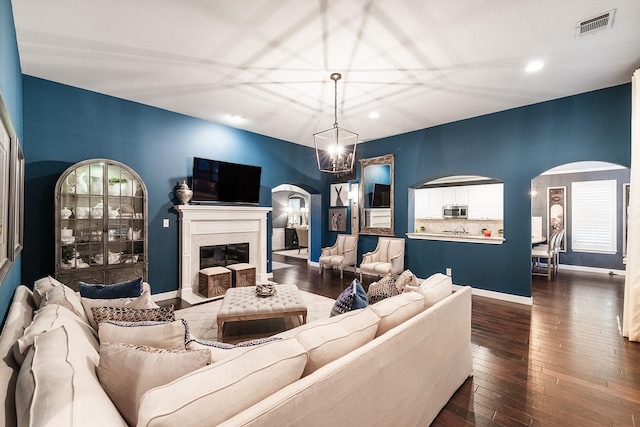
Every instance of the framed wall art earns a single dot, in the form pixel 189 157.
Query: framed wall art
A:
pixel 626 187
pixel 556 212
pixel 16 191
pixel 6 132
pixel 338 219
pixel 340 194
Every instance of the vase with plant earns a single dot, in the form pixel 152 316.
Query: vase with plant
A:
pixel 119 186
pixel 68 256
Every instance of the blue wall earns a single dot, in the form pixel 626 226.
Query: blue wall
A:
pixel 65 125
pixel 514 146
pixel 11 90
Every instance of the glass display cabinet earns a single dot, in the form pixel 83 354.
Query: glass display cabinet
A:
pixel 101 224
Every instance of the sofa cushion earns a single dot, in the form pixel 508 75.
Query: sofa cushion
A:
pixel 384 288
pixel 127 371
pixel 395 310
pixel 127 314
pixel 143 301
pixel 329 339
pixel 41 286
pixel 352 298
pixel 404 279
pixel 127 289
pixel 165 335
pixel 57 384
pixel 220 351
pixel 216 392
pixel 435 288
pixel 66 297
pixel 48 318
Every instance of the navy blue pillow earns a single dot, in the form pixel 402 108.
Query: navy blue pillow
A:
pixel 128 289
pixel 352 298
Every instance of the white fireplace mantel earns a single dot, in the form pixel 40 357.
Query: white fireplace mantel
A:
pixel 205 225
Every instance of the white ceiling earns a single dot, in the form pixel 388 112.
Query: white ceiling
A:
pixel 416 63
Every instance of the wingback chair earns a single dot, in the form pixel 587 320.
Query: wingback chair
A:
pixel 342 254
pixel 388 257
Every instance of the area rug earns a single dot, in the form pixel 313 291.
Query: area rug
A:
pixel 304 253
pixel 201 319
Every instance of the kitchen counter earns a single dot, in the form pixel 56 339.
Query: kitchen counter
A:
pixel 452 237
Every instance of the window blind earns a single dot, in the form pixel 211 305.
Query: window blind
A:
pixel 593 216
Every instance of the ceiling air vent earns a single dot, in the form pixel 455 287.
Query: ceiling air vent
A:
pixel 592 25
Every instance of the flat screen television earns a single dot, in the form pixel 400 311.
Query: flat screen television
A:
pixel 224 182
pixel 381 197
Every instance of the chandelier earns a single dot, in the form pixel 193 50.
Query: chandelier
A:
pixel 335 147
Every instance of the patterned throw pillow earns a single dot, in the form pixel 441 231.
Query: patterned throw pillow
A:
pixel 126 314
pixel 385 288
pixel 352 298
pixel 406 278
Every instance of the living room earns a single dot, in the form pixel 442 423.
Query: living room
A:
pixel 59 125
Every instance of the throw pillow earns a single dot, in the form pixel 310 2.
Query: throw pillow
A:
pixel 220 351
pixel 67 298
pixel 143 301
pixel 126 314
pixel 165 335
pixel 384 288
pixel 352 298
pixel 406 278
pixel 127 371
pixel 435 288
pixel 128 289
pixel 40 288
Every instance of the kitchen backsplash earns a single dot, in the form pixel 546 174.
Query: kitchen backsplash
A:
pixel 470 226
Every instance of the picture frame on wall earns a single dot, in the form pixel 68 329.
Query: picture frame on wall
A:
pixel 16 191
pixel 626 188
pixel 6 132
pixel 556 212
pixel 340 194
pixel 338 219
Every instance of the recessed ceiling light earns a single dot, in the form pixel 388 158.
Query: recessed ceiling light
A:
pixel 534 66
pixel 374 115
pixel 236 118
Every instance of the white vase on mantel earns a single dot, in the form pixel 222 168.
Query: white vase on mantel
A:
pixel 183 193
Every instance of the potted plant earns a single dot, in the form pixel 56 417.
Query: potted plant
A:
pixel 118 186
pixel 68 255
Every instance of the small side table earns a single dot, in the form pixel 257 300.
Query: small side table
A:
pixel 213 281
pixel 242 274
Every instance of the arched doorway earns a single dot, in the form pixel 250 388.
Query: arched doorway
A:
pixel 594 240
pixel 291 215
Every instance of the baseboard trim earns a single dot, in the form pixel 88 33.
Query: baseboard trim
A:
pixel 164 296
pixel 498 295
pixel 592 269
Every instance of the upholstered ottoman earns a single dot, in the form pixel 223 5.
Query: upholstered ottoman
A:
pixel 242 274
pixel 243 303
pixel 213 281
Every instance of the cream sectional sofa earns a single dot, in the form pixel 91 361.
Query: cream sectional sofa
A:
pixel 396 362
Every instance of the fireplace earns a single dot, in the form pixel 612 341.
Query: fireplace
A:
pixel 223 255
pixel 217 225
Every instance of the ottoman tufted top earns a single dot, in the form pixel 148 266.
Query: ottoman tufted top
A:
pixel 244 301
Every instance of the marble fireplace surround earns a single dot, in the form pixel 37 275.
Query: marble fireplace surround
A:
pixel 206 225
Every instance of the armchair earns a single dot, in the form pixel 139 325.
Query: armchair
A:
pixel 388 257
pixel 343 253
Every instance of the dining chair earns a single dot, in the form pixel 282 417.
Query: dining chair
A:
pixel 542 252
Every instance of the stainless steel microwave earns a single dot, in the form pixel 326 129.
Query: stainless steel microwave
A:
pixel 454 211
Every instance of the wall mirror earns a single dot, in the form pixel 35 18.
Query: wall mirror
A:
pixel 376 195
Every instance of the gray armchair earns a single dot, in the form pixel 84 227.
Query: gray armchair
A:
pixel 388 257
pixel 342 254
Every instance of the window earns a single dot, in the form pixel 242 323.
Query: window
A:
pixel 593 219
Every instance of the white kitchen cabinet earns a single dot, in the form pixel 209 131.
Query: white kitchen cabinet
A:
pixel 428 203
pixel 455 195
pixel 486 201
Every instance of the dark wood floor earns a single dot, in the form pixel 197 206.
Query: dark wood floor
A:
pixel 561 362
